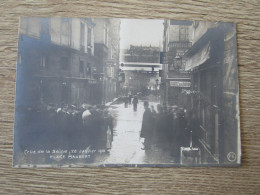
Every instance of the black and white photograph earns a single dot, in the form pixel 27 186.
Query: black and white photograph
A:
pixel 126 92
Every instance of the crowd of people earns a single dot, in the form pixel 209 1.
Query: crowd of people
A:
pixel 72 126
pixel 168 128
pixel 99 124
pixel 130 99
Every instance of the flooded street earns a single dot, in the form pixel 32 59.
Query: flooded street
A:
pixel 75 77
pixel 127 146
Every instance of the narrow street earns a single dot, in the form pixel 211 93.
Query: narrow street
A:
pixel 127 146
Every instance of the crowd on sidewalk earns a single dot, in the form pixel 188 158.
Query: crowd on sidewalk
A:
pixel 168 128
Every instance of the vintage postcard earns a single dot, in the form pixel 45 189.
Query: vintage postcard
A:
pixel 126 92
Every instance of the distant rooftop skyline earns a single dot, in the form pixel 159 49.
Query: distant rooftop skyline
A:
pixel 141 32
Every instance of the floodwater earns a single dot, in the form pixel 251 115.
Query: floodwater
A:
pixel 127 146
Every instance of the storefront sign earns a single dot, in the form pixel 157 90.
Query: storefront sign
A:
pixel 179 84
pixel 110 62
pixel 92 81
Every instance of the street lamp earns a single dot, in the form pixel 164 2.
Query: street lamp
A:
pixel 178 62
pixel 129 84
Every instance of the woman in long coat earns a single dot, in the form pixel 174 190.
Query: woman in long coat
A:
pixel 147 126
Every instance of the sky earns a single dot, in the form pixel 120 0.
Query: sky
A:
pixel 141 32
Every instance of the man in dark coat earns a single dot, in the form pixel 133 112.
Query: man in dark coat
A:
pixel 135 102
pixel 126 101
pixel 147 126
pixel 130 98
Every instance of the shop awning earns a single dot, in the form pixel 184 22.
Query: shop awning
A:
pixel 200 57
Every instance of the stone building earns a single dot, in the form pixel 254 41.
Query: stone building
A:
pixel 107 51
pixel 63 60
pixel 212 60
pixel 55 60
pixel 177 40
pixel 141 67
pixel 142 54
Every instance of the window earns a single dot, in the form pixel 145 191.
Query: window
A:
pixel 64 92
pixel 184 33
pixel 88 69
pixel 81 66
pixel 89 39
pixel 89 36
pixel 111 52
pixel 43 63
pixel 106 34
pixel 34 27
pixel 65 32
pixel 65 63
pixel 82 33
pixel 43 91
pixel 203 117
pixel 45 23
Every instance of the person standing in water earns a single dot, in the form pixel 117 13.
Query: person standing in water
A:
pixel 135 102
pixel 130 98
pixel 147 126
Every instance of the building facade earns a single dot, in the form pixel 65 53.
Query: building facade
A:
pixel 58 57
pixel 212 61
pixel 141 67
pixel 107 52
pixel 175 79
pixel 142 54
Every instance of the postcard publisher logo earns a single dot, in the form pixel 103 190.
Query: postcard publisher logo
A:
pixel 231 157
